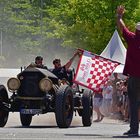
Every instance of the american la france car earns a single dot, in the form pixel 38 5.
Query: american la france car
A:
pixel 38 91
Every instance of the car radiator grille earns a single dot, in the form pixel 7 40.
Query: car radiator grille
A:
pixel 30 86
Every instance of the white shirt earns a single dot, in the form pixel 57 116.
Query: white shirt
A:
pixel 107 92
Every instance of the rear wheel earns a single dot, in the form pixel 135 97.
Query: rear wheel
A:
pixel 87 112
pixel 64 106
pixel 3 100
pixel 25 119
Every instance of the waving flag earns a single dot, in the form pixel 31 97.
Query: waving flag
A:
pixel 93 71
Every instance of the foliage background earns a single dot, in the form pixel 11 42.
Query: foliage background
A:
pixel 56 28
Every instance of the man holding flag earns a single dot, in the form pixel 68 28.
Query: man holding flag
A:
pixel 131 69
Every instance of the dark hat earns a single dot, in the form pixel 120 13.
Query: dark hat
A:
pixel 56 61
pixel 39 58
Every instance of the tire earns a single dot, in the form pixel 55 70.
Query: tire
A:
pixel 87 112
pixel 3 112
pixel 64 106
pixel 25 119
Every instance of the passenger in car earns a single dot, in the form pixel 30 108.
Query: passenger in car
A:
pixel 63 72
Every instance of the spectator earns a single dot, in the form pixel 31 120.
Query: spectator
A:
pixel 107 98
pixel 97 102
pixel 120 100
pixel 114 95
pixel 126 101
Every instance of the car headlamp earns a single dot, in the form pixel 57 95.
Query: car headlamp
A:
pixel 13 84
pixel 45 84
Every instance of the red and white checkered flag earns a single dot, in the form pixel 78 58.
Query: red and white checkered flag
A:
pixel 93 71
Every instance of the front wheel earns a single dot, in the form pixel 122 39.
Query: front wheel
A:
pixel 64 106
pixel 3 100
pixel 87 112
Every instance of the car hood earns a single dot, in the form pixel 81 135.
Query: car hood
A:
pixel 45 72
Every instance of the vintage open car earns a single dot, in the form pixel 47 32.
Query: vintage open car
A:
pixel 38 91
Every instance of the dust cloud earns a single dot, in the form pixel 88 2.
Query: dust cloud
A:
pixel 15 57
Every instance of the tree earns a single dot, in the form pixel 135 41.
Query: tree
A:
pixel 87 24
pixel 40 26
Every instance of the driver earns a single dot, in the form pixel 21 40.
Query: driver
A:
pixel 38 63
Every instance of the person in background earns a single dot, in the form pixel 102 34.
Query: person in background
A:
pixel 97 102
pixel 114 95
pixel 126 101
pixel 131 69
pixel 107 97
pixel 120 100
